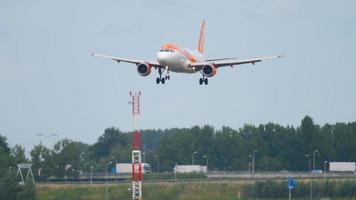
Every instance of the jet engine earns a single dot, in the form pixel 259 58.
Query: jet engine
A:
pixel 209 70
pixel 144 69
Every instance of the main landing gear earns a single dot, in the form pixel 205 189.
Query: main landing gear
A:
pixel 161 79
pixel 203 80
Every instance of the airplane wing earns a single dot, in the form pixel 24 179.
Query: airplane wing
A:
pixel 215 59
pixel 231 61
pixel 128 60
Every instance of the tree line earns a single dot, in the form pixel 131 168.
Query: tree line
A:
pixel 9 180
pixel 276 148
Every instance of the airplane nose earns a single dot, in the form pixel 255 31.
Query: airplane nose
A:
pixel 159 56
pixel 162 58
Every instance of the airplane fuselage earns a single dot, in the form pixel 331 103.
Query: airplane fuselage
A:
pixel 178 59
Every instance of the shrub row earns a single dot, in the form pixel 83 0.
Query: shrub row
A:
pixel 279 189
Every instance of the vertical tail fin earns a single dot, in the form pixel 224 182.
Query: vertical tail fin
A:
pixel 200 47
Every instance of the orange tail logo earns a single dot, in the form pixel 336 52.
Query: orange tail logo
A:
pixel 200 47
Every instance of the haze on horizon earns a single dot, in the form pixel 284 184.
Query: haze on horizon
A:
pixel 50 84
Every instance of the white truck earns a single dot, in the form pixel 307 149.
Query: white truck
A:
pixel 126 168
pixel 189 169
pixel 342 166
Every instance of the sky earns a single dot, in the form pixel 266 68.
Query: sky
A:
pixel 51 88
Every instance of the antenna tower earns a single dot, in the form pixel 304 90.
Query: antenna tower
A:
pixel 136 146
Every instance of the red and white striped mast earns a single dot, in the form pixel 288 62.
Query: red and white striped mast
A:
pixel 136 148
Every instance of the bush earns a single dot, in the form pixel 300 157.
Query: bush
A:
pixel 347 189
pixel 278 189
pixel 10 189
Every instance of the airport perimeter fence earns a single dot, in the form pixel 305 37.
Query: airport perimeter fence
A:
pixel 210 176
pixel 283 175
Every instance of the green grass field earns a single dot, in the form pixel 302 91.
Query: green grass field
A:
pixel 197 191
pixel 169 191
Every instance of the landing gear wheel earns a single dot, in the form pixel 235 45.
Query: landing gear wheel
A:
pixel 167 77
pixel 206 81
pixel 161 79
pixel 200 81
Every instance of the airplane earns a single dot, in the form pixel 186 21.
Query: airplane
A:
pixel 172 58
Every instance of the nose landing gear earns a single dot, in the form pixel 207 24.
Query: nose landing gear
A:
pixel 168 77
pixel 161 79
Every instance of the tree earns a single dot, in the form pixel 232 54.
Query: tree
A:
pixel 69 157
pixel 18 152
pixel 9 187
pixel 41 158
pixel 279 147
pixel 6 160
pixel 111 138
pixel 307 132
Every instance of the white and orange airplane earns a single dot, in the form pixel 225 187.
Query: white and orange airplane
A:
pixel 171 58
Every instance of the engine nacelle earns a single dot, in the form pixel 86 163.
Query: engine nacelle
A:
pixel 144 69
pixel 209 70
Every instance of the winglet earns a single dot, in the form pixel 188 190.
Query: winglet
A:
pixel 200 47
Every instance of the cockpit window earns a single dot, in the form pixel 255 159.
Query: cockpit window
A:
pixel 166 50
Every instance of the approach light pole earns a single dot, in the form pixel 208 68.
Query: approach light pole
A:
pixel 114 158
pixel 106 183
pixel 144 154
pixel 83 167
pixel 311 181
pixel 195 152
pixel 249 168
pixel 91 174
pixel 308 156
pixel 325 162
pixel 207 162
pixel 314 152
pixel 157 162
pixel 253 161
